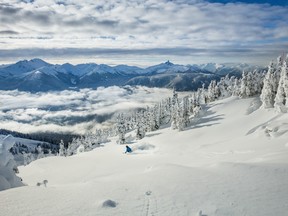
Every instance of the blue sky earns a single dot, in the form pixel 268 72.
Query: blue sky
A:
pixel 271 2
pixel 143 32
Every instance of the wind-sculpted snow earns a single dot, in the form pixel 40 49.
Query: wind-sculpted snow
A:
pixel 72 111
pixel 8 167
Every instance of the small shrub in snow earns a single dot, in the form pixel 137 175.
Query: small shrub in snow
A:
pixel 109 204
pixel 45 182
pixel 199 213
pixel 148 193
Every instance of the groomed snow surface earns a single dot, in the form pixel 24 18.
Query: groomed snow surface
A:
pixel 231 162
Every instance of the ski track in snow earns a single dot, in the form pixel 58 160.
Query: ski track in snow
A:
pixel 150 207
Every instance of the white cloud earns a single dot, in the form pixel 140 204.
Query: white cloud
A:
pixel 72 111
pixel 142 24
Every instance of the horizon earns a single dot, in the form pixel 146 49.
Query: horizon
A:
pixel 143 33
pixel 62 62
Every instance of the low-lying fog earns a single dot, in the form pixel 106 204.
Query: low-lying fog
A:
pixel 72 111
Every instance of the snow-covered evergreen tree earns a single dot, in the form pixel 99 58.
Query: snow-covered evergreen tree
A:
pixel 156 117
pixel 282 90
pixel 165 114
pixel 251 84
pixel 121 128
pixel 268 93
pixel 223 85
pixel 185 112
pixel 213 91
pixel 73 146
pixel 175 109
pixel 245 88
pixel 200 96
pixel 235 85
pixel 40 152
pixel 100 136
pixel 62 149
pixel 141 125
pixel 87 141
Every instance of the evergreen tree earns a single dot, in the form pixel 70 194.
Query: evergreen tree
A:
pixel 186 111
pixel 153 118
pixel 223 85
pixel 200 95
pixel 141 126
pixel 175 111
pixel 246 89
pixel 268 94
pixel 62 149
pixel 72 147
pixel 121 128
pixel 235 86
pixel 213 91
pixel 40 152
pixel 282 90
pixel 244 92
pixel 165 111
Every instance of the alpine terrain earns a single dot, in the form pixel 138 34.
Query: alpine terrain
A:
pixel 37 75
pixel 231 160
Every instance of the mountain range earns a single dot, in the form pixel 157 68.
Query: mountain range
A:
pixel 37 75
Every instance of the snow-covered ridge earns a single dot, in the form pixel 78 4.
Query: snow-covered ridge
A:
pixel 25 66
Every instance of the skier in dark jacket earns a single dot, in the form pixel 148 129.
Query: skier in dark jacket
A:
pixel 128 149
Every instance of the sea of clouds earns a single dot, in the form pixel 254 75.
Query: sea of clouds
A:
pixel 72 111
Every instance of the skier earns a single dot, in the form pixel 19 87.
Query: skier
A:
pixel 128 149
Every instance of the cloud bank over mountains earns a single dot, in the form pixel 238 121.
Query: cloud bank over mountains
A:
pixel 72 111
pixel 143 29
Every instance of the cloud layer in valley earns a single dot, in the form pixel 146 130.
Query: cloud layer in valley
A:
pixel 143 30
pixel 72 111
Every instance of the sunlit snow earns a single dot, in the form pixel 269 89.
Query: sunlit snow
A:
pixel 231 161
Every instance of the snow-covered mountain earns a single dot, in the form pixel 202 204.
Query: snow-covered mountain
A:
pixel 38 75
pixel 212 67
pixel 23 67
pixel 180 81
pixel 167 67
pixel 202 170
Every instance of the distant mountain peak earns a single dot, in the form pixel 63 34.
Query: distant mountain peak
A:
pixel 168 63
pixel 32 64
pixel 67 64
pixel 38 60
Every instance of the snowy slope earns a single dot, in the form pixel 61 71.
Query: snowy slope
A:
pixel 28 142
pixel 232 161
